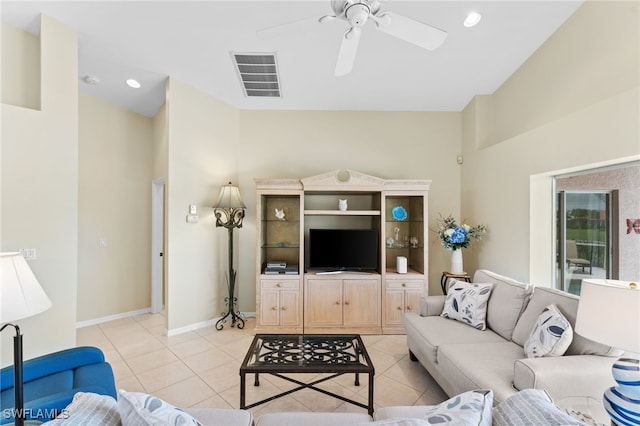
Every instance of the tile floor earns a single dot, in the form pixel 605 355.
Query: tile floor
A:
pixel 201 369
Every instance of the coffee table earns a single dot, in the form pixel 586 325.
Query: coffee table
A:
pixel 278 354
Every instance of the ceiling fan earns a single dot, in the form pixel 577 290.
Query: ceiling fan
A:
pixel 357 13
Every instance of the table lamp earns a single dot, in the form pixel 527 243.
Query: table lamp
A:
pixel 609 313
pixel 21 297
pixel 229 211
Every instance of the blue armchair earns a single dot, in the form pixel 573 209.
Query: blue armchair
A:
pixel 51 381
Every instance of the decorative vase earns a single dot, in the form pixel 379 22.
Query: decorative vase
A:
pixel 622 402
pixel 456 262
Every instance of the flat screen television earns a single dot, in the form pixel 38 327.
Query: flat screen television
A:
pixel 343 249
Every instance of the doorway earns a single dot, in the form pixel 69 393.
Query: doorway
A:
pixel 585 243
pixel 157 245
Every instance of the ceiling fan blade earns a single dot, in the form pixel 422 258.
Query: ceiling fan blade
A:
pixel 407 29
pixel 289 27
pixel 348 49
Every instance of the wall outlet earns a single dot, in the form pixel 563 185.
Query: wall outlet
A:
pixel 29 253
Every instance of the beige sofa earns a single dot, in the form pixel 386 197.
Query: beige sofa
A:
pixel 462 358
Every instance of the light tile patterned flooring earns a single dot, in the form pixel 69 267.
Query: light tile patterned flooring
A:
pixel 201 369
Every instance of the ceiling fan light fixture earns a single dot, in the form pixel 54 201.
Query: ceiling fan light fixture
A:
pixel 357 14
pixel 472 19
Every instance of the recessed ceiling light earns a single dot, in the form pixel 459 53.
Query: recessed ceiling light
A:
pixel 133 83
pixel 472 19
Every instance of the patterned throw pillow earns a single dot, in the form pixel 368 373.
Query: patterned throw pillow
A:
pixel 472 408
pixel 531 407
pixel 467 302
pixel 88 409
pixel 551 335
pixel 141 409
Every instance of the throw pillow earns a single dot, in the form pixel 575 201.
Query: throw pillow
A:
pixel 141 409
pixel 472 408
pixel 467 303
pixel 551 334
pixel 531 407
pixel 88 409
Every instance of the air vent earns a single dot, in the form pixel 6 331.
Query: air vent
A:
pixel 258 74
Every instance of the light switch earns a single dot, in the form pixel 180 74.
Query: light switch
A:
pixel 192 218
pixel 193 209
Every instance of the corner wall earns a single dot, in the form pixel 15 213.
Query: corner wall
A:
pixel 202 156
pixel 573 105
pixel 39 171
pixel 114 223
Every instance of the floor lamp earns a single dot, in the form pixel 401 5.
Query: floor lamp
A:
pixel 22 297
pixel 229 213
pixel 609 313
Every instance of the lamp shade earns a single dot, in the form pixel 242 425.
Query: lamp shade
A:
pixel 20 293
pixel 609 313
pixel 229 198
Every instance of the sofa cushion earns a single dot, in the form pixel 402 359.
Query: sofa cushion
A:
pixel 435 331
pixel 311 418
pixel 471 366
pixel 221 416
pixel 563 376
pixel 466 409
pixel 507 301
pixel 140 409
pixel 88 409
pixel 551 335
pixel 467 303
pixel 531 407
pixel 568 305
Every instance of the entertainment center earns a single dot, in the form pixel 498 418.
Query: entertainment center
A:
pixel 327 250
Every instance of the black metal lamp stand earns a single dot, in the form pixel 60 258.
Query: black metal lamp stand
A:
pixel 18 403
pixel 229 214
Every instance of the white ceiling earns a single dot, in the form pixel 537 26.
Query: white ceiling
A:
pixel 192 42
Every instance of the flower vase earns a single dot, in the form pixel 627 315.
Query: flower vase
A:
pixel 456 262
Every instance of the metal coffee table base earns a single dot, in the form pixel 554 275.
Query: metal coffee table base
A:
pixel 280 354
pixel 303 385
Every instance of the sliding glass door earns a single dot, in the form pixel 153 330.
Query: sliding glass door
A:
pixel 584 237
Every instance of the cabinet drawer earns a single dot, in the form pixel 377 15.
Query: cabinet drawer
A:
pixel 280 284
pixel 400 284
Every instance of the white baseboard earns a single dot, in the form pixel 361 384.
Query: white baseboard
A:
pixel 108 318
pixel 203 324
pixel 169 333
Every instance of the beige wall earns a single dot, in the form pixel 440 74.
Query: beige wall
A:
pixel 20 79
pixel 574 105
pixel 547 122
pixel 298 144
pixel 39 178
pixel 114 175
pixel 202 156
